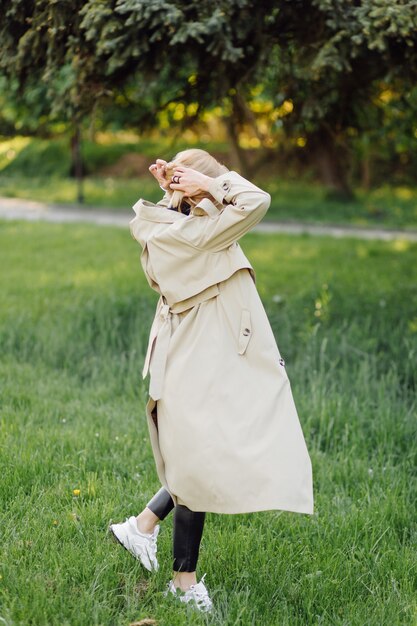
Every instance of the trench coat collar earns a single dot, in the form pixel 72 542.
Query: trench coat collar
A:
pixel 156 212
pixel 159 213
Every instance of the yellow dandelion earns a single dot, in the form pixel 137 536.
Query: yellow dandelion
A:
pixel 76 492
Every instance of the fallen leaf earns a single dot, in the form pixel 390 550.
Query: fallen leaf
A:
pixel 142 587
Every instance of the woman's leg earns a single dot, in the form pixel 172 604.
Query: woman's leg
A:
pixel 188 530
pixel 157 509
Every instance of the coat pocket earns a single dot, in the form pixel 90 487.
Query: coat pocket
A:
pixel 245 331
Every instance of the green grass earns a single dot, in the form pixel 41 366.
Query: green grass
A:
pixel 39 170
pixel 105 193
pixel 387 206
pixel 75 316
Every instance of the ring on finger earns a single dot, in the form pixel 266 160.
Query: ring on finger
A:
pixel 176 179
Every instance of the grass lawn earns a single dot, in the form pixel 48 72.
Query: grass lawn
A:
pixel 74 321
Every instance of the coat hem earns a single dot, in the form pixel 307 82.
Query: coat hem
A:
pixel 252 509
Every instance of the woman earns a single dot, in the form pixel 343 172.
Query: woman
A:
pixel 224 429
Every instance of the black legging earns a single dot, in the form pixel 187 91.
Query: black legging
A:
pixel 188 529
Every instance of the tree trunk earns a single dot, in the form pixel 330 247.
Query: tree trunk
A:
pixel 233 123
pixel 365 161
pixel 264 154
pixel 77 164
pixel 328 159
pixel 238 154
pixel 366 172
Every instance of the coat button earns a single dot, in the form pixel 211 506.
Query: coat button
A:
pixel 281 361
pixel 225 185
pixel 246 331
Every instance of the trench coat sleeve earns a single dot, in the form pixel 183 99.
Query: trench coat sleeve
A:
pixel 141 229
pixel 240 206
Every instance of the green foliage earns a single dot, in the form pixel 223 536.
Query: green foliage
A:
pixel 40 158
pixel 32 157
pixel 127 61
pixel 333 73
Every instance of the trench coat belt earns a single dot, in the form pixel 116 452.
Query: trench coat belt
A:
pixel 159 338
pixel 160 335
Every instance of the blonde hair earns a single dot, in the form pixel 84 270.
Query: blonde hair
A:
pixel 199 160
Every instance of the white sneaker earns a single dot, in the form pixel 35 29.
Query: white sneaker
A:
pixel 197 594
pixel 141 545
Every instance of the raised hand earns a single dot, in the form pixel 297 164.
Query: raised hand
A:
pixel 157 169
pixel 189 181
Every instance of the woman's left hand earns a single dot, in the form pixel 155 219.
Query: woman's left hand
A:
pixel 190 182
pixel 157 169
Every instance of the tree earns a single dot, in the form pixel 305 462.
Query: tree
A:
pixel 331 64
pixel 151 53
pixel 323 59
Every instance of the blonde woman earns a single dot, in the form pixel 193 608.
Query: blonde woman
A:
pixel 223 425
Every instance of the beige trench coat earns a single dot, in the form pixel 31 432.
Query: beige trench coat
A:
pixel 223 425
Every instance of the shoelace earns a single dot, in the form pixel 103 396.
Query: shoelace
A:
pixel 151 547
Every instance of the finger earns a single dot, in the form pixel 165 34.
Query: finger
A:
pixel 182 176
pixel 152 167
pixel 161 161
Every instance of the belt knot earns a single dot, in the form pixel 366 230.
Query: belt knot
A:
pixel 165 311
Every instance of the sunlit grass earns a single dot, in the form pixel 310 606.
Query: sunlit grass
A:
pixel 10 148
pixel 384 206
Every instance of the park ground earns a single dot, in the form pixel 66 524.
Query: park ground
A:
pixel 116 174
pixel 75 455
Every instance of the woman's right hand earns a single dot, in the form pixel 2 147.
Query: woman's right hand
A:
pixel 157 169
